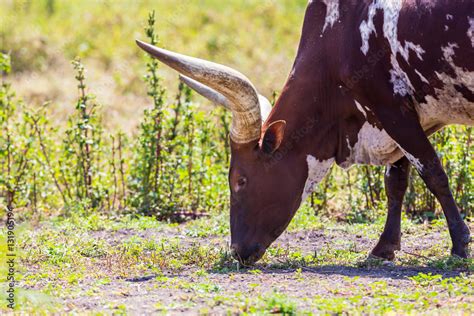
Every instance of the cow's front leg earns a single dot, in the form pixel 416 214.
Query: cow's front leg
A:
pixel 396 183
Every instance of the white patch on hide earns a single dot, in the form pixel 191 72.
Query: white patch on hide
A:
pixel 413 160
pixel 361 109
pixel 448 51
pixel 332 13
pixel 463 77
pixel 367 28
pixel 373 147
pixel 423 78
pixel 470 31
pixel 391 10
pixel 387 172
pixel 449 17
pixel 449 106
pixel 317 170
pixel 399 79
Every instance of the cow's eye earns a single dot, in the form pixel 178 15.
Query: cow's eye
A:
pixel 241 182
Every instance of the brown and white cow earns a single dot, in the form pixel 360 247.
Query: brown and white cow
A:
pixel 371 80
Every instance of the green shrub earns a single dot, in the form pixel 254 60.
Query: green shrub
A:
pixel 176 166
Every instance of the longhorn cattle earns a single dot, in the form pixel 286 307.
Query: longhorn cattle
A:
pixel 371 81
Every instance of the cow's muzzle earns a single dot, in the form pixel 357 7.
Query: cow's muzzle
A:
pixel 247 255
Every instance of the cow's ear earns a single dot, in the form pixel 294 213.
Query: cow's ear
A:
pixel 272 137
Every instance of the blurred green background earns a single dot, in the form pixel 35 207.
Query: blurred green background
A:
pixel 257 37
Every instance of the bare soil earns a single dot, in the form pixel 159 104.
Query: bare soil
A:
pixel 146 294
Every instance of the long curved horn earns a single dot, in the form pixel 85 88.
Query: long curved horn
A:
pixel 242 95
pixel 206 92
pixel 217 98
pixel 265 107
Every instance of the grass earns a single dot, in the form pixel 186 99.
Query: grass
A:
pixel 73 263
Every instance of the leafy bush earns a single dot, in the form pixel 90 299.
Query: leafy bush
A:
pixel 173 174
pixel 176 167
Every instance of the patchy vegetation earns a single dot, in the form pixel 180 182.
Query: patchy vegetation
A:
pixel 121 212
pixel 97 264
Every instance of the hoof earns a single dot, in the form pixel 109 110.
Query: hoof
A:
pixel 384 251
pixel 461 251
pixel 461 247
pixel 386 255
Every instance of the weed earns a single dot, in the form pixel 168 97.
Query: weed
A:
pixel 280 304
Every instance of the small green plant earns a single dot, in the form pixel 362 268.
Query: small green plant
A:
pixel 77 166
pixel 147 173
pixel 178 172
pixel 423 279
pixel 83 147
pixel 16 146
pixel 280 304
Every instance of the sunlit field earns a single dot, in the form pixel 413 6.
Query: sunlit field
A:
pixel 115 176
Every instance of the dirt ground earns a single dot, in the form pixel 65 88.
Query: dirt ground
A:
pixel 216 291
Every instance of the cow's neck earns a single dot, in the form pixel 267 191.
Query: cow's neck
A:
pixel 315 131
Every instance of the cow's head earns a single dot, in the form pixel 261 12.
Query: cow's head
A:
pixel 264 195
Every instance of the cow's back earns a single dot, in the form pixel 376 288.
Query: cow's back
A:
pixel 424 50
